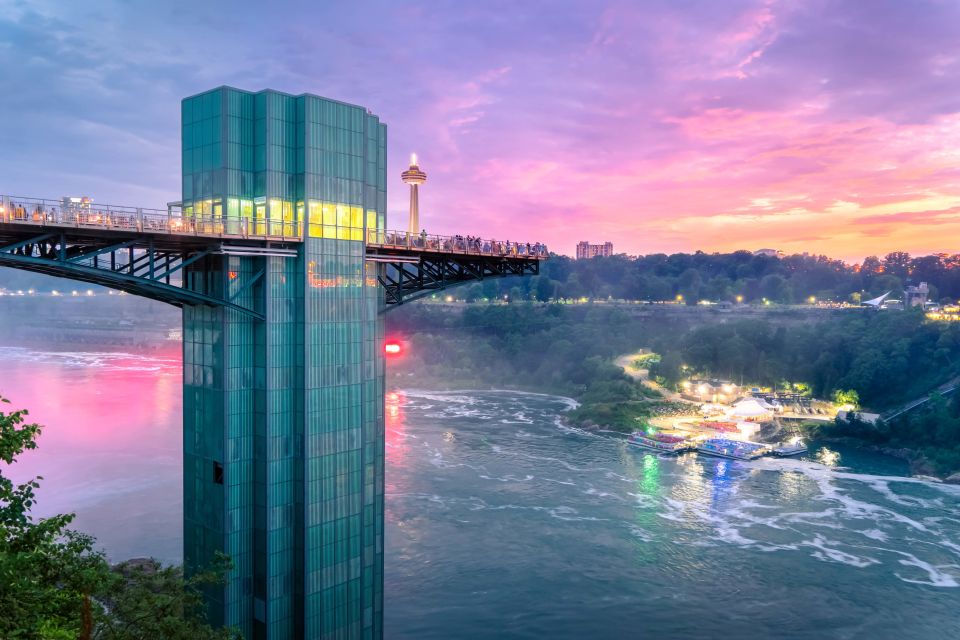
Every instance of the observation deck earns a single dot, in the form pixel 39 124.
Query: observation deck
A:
pixel 141 250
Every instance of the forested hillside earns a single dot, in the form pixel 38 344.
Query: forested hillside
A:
pixel 885 357
pixel 727 276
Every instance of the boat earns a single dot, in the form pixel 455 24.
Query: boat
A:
pixel 733 449
pixel 793 447
pixel 660 442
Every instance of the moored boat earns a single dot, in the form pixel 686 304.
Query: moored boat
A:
pixel 792 448
pixel 733 449
pixel 660 442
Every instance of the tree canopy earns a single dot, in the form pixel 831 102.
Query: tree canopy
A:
pixel 55 585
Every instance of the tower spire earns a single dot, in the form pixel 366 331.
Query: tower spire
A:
pixel 414 177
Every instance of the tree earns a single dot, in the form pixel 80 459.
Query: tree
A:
pixel 847 396
pixel 689 284
pixel 150 601
pixel 53 585
pixel 897 263
pixel 47 572
pixel 774 287
pixel 544 288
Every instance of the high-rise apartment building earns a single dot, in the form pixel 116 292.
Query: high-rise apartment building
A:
pixel 586 250
pixel 283 417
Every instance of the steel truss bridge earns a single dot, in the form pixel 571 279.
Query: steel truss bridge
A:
pixel 144 251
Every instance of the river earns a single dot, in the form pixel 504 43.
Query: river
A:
pixel 503 523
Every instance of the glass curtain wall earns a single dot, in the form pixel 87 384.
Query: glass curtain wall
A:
pixel 283 418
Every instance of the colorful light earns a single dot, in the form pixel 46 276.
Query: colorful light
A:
pixel 391 348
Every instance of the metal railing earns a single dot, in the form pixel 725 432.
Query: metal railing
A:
pixel 56 213
pixel 172 221
pixel 454 244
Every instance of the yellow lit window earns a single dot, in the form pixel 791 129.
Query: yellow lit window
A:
pixel 343 215
pixel 233 207
pixel 315 212
pixel 329 214
pixel 276 209
pixel 356 217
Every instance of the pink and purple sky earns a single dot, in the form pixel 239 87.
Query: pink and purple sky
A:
pixel 664 125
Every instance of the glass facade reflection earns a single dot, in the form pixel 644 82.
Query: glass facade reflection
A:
pixel 283 418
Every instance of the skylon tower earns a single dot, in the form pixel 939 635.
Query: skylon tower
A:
pixel 414 177
pixel 283 417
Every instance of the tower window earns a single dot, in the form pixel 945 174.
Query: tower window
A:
pixel 217 472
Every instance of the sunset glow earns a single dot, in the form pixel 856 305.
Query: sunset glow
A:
pixel 805 126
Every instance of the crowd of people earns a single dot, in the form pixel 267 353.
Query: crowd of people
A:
pixel 86 215
pixel 68 214
pixel 473 244
pixel 35 213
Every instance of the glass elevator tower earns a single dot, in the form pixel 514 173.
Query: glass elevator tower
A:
pixel 283 417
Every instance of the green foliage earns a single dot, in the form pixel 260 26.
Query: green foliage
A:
pixel 616 416
pixel 881 359
pixel 152 601
pixel 847 396
pixel 46 570
pixel 553 348
pixel 54 585
pixel 724 276
pixel 932 430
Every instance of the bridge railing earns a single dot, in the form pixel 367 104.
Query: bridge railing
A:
pixel 454 244
pixel 64 213
pixel 57 213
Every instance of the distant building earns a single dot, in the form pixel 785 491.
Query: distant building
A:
pixel 715 391
pixel 75 202
pixel 770 253
pixel 916 296
pixel 586 250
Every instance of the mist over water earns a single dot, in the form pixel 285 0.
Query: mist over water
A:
pixel 501 522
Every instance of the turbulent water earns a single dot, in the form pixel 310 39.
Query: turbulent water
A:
pixel 502 523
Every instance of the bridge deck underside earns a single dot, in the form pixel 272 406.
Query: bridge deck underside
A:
pixel 411 274
pixel 141 264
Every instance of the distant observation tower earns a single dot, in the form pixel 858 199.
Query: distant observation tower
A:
pixel 414 177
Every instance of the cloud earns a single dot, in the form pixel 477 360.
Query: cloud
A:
pixel 818 125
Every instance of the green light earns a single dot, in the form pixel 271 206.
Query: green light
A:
pixel 651 431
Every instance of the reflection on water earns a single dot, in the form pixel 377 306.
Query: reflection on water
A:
pixel 504 523
pixel 111 444
pixel 525 528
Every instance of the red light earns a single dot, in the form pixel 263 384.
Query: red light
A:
pixel 391 348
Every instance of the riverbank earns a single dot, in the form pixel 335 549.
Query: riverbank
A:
pixel 920 465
